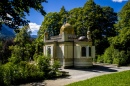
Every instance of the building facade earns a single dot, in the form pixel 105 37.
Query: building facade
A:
pixel 70 50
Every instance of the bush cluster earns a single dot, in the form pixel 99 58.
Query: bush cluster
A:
pixel 114 56
pixel 19 73
pixel 23 72
pixel 50 70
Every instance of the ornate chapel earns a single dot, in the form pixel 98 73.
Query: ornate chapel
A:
pixel 71 51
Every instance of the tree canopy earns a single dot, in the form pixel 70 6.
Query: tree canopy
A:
pixel 120 44
pixel 22 49
pixel 99 20
pixel 122 40
pixel 13 12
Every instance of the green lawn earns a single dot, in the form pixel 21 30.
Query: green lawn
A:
pixel 115 79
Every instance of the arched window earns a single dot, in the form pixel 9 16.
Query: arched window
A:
pixel 83 51
pixel 49 50
pixel 90 51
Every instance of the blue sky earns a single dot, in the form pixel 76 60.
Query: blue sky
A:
pixel 55 5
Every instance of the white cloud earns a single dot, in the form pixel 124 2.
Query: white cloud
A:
pixel 34 28
pixel 119 0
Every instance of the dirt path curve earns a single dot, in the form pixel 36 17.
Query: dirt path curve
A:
pixel 82 74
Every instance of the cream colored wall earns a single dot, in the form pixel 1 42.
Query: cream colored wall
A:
pixel 78 47
pixel 80 61
pixel 77 51
pixel 60 54
pixel 67 49
pixel 93 51
pixel 83 62
pixel 60 51
pixel 68 54
pixel 64 51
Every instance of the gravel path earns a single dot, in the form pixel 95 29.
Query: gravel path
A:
pixel 82 74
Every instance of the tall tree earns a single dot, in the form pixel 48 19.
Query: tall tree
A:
pixel 105 20
pixel 63 15
pixel 122 40
pixel 100 21
pixel 124 16
pixel 53 22
pixel 108 20
pixel 76 20
pixel 22 49
pixel 13 12
pixel 50 24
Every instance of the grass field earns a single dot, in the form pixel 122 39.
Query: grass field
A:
pixel 115 79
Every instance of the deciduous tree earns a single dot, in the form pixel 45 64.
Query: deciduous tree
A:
pixel 13 12
pixel 122 40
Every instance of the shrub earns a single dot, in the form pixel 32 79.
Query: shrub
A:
pixel 43 64
pixel 115 56
pixel 128 57
pixel 8 73
pixel 100 59
pixel 22 72
pixel 1 76
pixel 54 69
pixel 19 73
pixel 122 58
pixel 108 57
pixel 30 72
pixel 14 59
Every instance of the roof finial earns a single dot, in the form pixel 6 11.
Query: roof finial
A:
pixel 64 20
pixel 88 35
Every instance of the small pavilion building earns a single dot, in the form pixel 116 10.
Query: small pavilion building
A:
pixel 70 50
